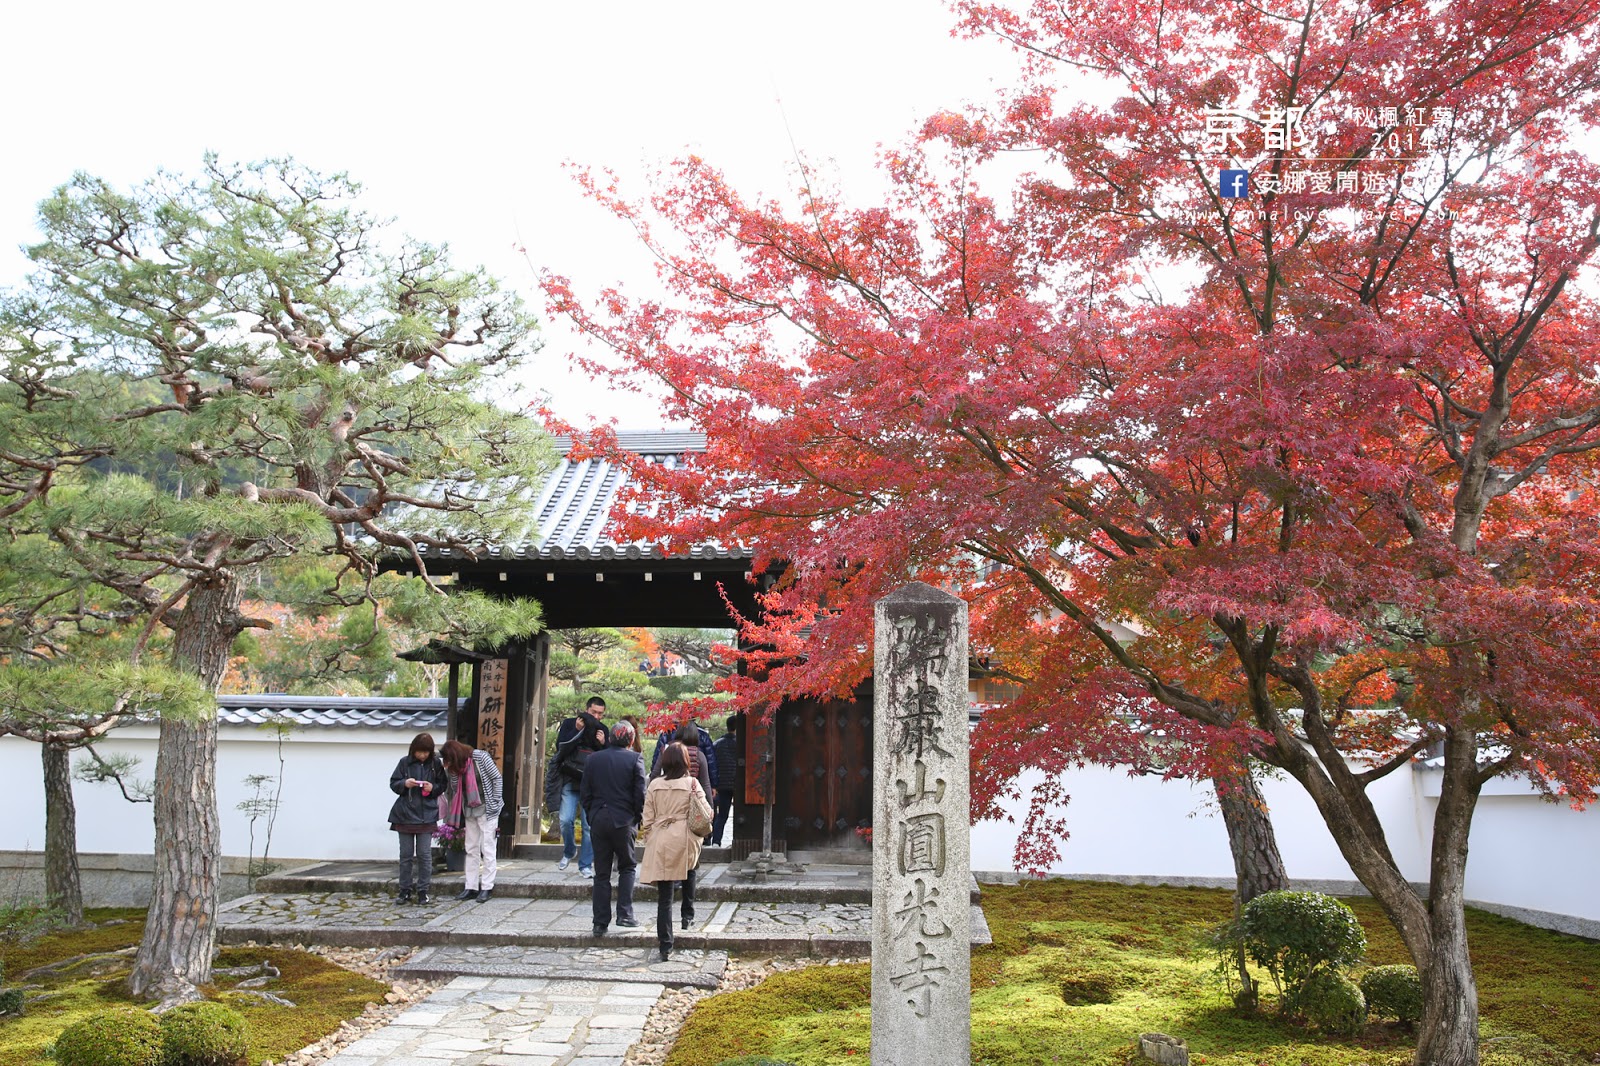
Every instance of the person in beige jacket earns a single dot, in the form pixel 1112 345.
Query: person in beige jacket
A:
pixel 671 850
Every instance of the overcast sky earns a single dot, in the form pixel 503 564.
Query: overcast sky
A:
pixel 458 117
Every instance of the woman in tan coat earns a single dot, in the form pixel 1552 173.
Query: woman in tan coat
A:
pixel 671 850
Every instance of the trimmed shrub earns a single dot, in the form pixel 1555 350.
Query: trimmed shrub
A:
pixel 1331 1002
pixel 12 1000
pixel 1292 934
pixel 204 1034
pixel 1393 992
pixel 124 1037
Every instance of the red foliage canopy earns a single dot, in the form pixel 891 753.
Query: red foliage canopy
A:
pixel 1338 480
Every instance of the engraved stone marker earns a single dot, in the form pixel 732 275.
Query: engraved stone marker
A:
pixel 921 922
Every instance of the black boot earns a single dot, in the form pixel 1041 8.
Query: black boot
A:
pixel 688 919
pixel 422 897
pixel 466 893
pixel 484 894
pixel 404 896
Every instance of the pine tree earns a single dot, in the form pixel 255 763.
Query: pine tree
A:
pixel 260 372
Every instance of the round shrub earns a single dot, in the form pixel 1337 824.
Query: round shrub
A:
pixel 204 1034
pixel 125 1037
pixel 1331 1002
pixel 12 1000
pixel 1393 992
pixel 1294 933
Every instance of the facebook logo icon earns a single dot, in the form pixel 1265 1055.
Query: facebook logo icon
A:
pixel 1235 184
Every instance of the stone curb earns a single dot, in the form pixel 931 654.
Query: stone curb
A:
pixel 821 945
pixel 282 884
pixel 427 970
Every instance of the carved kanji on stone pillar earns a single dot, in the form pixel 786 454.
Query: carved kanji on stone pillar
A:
pixel 921 921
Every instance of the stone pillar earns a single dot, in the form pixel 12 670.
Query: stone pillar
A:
pixel 921 864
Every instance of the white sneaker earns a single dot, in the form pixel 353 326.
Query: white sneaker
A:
pixel 564 863
pixel 586 871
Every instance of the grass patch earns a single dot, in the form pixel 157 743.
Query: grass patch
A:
pixel 324 994
pixel 1078 969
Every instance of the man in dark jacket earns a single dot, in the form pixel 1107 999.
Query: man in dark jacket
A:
pixel 726 752
pixel 576 739
pixel 612 795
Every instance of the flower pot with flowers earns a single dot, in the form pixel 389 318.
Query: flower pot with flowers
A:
pixel 451 840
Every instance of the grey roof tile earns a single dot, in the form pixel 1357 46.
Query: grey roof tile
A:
pixel 361 712
pixel 572 509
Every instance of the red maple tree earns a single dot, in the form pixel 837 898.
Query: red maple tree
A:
pixel 1327 504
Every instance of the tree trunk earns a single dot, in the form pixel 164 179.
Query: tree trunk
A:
pixel 1448 1034
pixel 1257 864
pixel 63 890
pixel 180 932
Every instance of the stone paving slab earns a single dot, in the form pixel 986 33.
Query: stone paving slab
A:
pixel 539 878
pixel 627 961
pixel 484 1021
pixel 353 919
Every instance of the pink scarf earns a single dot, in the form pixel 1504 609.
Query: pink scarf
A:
pixel 467 786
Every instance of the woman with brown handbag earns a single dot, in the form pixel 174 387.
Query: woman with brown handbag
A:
pixel 672 847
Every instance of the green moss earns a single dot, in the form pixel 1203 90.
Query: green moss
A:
pixel 325 995
pixel 119 1037
pixel 204 1034
pixel 1537 991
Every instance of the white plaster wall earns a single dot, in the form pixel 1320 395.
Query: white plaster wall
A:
pixel 1526 853
pixel 335 797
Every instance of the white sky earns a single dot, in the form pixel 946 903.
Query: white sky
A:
pixel 457 117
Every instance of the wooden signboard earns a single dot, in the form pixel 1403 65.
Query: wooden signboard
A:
pixel 758 776
pixel 492 709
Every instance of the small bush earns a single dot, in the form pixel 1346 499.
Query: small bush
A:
pixel 125 1037
pixel 12 1000
pixel 1331 1002
pixel 1393 992
pixel 204 1034
pixel 1292 934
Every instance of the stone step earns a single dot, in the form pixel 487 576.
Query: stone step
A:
pixel 627 963
pixel 551 853
pixel 359 920
pixel 535 879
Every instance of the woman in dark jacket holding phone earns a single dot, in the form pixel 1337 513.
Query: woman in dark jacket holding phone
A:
pixel 417 782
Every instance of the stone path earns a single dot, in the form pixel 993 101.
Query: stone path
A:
pixel 619 962
pixel 483 1021
pixel 539 878
pixel 368 920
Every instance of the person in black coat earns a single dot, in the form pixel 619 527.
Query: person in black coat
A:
pixel 417 782
pixel 577 739
pixel 727 781
pixel 612 795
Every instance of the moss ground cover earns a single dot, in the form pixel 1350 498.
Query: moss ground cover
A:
pixel 1078 969
pixel 324 994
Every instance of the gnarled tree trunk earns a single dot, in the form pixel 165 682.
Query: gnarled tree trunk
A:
pixel 1448 1033
pixel 1257 864
pixel 63 890
pixel 180 933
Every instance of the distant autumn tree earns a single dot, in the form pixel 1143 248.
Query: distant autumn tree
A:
pixel 1328 451
pixel 261 371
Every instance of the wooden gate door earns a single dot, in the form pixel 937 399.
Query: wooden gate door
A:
pixel 824 778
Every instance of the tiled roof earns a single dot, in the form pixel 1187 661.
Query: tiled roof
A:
pixel 334 711
pixel 573 508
